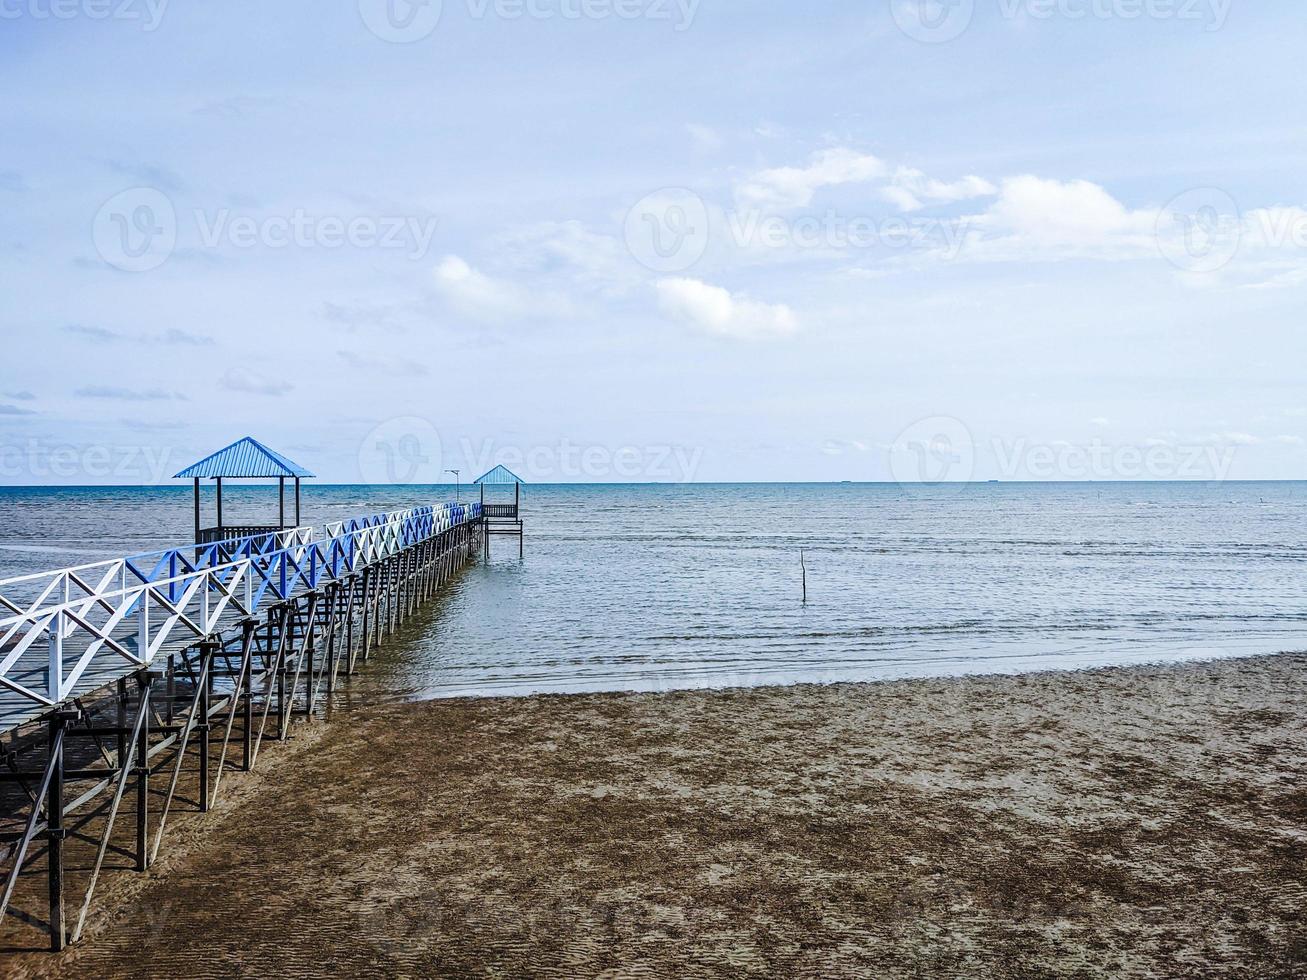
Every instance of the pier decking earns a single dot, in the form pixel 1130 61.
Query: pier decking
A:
pixel 116 672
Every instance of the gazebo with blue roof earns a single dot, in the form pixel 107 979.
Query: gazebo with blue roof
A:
pixel 244 459
pixel 501 518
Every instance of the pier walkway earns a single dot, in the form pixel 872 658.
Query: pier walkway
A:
pixel 128 677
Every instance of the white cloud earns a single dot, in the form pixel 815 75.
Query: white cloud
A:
pixel 1231 439
pixel 784 188
pixel 1039 219
pixel 565 251
pixel 910 189
pixel 477 295
pixel 253 383
pixel 393 366
pixel 1277 276
pixel 839 447
pixel 1073 212
pixel 119 393
pixel 529 294
pixel 793 187
pixel 715 310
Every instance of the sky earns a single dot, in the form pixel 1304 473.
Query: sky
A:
pixel 655 240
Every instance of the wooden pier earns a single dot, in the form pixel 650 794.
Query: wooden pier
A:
pixel 132 686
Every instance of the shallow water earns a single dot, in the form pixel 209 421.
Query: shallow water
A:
pixel 659 587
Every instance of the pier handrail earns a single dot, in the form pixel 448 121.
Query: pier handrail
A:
pixel 130 614
pixel 197 554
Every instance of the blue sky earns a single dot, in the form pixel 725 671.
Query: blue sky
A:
pixel 638 239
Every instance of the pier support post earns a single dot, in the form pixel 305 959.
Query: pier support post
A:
pixel 402 561
pixel 367 612
pixel 329 657
pixel 350 606
pixel 249 629
pixel 433 572
pixel 310 650
pixel 347 625
pixel 207 650
pixel 389 566
pixel 394 580
pixel 122 722
pixel 170 691
pixel 287 625
pixel 145 682
pixel 55 832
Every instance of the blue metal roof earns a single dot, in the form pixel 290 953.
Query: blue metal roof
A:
pixel 244 459
pixel 500 474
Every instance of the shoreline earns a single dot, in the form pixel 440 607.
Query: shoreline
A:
pixel 1142 665
pixel 1058 822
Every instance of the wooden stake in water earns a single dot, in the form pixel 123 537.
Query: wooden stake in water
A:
pixel 804 569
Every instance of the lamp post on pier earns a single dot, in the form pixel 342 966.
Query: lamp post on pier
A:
pixel 457 485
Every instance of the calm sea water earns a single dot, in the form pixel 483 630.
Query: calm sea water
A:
pixel 660 587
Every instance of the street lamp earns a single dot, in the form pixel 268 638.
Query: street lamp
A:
pixel 457 485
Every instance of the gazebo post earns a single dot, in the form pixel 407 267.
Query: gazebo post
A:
pixel 297 501
pixel 196 539
pixel 281 503
pixel 220 534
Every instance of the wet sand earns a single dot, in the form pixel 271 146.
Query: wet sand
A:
pixel 1148 821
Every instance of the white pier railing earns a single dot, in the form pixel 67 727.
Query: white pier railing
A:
pixel 74 629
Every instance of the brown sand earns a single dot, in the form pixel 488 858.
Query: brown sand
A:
pixel 1138 822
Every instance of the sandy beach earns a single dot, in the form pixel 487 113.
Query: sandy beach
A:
pixel 1147 821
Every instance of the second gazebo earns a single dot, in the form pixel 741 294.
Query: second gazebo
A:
pixel 502 517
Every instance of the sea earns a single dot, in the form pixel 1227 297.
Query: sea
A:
pixel 657 587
